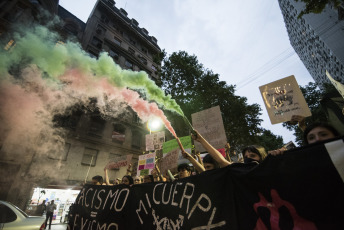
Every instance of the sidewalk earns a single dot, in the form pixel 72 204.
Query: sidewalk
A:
pixel 58 226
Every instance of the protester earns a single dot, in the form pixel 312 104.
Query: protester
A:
pixel 137 180
pixel 148 179
pixel 197 165
pixel 127 180
pixel 313 133
pixel 209 163
pixel 319 131
pixel 97 180
pixel 184 170
pixel 49 213
pixel 254 153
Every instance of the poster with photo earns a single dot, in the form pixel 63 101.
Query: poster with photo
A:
pixel 155 141
pixel 283 99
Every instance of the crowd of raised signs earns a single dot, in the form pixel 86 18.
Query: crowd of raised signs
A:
pixel 253 154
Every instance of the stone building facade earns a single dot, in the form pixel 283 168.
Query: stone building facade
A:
pixel 91 141
pixel 317 39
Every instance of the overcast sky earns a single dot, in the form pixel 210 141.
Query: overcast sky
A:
pixel 245 41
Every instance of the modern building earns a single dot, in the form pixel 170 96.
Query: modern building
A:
pixel 318 39
pixel 91 140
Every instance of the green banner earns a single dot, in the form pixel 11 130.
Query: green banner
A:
pixel 168 146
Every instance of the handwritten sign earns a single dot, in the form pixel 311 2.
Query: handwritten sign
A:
pixel 210 125
pixel 169 161
pixel 283 99
pixel 155 141
pixel 120 161
pixel 146 164
pixel 339 86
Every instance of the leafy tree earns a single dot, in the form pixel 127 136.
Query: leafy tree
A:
pixel 196 88
pixel 317 6
pixel 269 140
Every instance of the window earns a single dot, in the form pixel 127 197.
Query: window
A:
pixel 92 54
pixel 104 19
pixel 118 133
pixel 96 127
pixel 143 60
pixel 113 54
pixel 131 51
pixel 136 139
pixel 133 42
pixel 100 30
pixel 89 157
pixel 6 214
pixel 117 41
pixel 144 50
pixel 136 119
pixel 128 64
pixel 97 42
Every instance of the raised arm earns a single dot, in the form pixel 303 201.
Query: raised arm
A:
pixel 211 150
pixel 193 161
pixel 106 177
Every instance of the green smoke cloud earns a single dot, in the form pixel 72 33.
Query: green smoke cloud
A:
pixel 37 45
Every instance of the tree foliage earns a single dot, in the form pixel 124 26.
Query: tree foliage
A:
pixel 196 88
pixel 317 6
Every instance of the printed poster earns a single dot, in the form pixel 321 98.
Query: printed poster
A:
pixel 146 164
pixel 209 124
pixel 283 99
pixel 155 141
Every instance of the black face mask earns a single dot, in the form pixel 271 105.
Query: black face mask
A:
pixel 250 160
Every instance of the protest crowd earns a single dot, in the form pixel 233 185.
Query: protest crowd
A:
pixel 213 163
pixel 313 133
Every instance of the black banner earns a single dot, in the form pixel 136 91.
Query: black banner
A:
pixel 301 189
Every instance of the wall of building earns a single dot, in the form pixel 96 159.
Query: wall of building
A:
pixel 317 39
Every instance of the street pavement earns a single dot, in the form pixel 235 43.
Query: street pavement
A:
pixel 58 227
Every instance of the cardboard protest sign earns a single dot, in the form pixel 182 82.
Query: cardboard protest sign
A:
pixel 210 125
pixel 339 86
pixel 169 161
pixel 283 99
pixel 146 164
pixel 172 145
pixel 120 161
pixel 301 189
pixel 155 141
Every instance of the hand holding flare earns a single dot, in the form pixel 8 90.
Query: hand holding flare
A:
pixel 188 156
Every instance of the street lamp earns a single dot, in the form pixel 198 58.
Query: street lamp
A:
pixel 154 124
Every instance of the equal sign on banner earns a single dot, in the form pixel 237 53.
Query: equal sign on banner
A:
pixel 146 164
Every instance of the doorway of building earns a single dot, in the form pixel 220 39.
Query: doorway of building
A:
pixel 63 197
